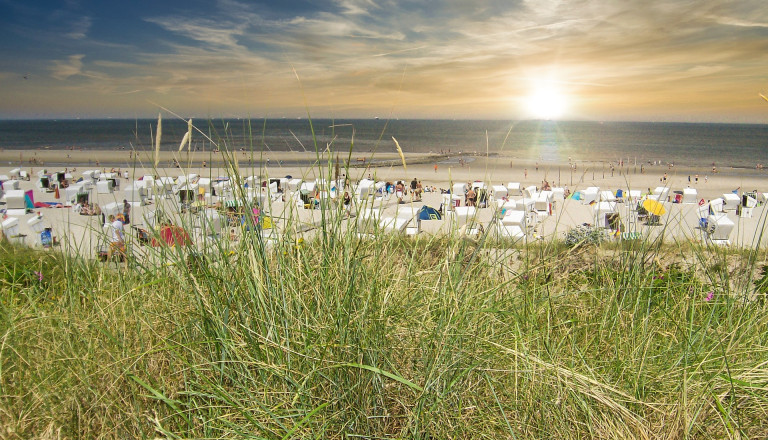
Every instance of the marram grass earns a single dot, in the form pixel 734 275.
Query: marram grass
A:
pixel 425 338
pixel 384 338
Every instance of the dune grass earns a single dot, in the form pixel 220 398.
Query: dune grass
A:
pixel 391 337
pixel 385 337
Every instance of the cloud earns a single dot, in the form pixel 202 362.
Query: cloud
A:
pixel 356 7
pixel 63 69
pixel 80 28
pixel 730 21
pixel 215 33
pixel 351 54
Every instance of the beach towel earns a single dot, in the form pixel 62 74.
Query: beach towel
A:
pixel 29 199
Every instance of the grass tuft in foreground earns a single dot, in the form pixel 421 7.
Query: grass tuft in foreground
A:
pixel 429 338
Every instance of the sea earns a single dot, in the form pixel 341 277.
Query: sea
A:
pixel 737 146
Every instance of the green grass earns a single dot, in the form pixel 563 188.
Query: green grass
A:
pixel 386 338
pixel 426 338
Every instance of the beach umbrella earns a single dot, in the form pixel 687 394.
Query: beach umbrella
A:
pixel 653 207
pixel 429 213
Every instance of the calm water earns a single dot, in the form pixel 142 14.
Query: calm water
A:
pixel 729 145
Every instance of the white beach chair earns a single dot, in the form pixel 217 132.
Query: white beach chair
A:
pixel 589 195
pixel 719 228
pixel 603 211
pixel 661 193
pixel 10 227
pixel 558 194
pixel 499 192
pixel 732 201
pixel 690 196
pixel 543 203
pixel 513 189
pixel 513 225
pixel 607 196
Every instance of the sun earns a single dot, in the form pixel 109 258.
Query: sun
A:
pixel 545 102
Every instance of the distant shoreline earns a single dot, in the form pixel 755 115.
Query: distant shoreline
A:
pixel 696 144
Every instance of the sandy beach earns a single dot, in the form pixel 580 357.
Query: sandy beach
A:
pixel 678 223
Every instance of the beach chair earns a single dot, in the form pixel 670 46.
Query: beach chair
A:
pixel 607 196
pixel 10 227
pixel 731 201
pixel 589 195
pixel 690 196
pixel 719 228
pixel 499 192
pixel 411 214
pixel 104 187
pixel 513 226
pixel 717 205
pixel 748 203
pixel 136 193
pixel 513 189
pixel 543 203
pixel 14 200
pixel 661 193
pixel 558 194
pixel 530 192
pixel 294 185
pixel 602 212
pixel 633 196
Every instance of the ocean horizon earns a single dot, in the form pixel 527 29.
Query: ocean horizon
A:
pixel 682 143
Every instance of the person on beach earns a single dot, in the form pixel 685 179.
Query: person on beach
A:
pixel 525 172
pixel 347 203
pixel 127 211
pixel 399 191
pixel 116 240
pixel 419 191
pixel 435 168
pixel 471 197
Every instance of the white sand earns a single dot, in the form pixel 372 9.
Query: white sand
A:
pixel 679 222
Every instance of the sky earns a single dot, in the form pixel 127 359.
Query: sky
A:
pixel 601 60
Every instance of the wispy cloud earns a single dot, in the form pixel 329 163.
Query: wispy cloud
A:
pixel 445 57
pixel 80 28
pixel 63 69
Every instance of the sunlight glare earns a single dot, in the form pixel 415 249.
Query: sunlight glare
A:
pixel 545 102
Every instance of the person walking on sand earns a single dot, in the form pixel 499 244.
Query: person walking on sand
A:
pixel 435 168
pixel 525 172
